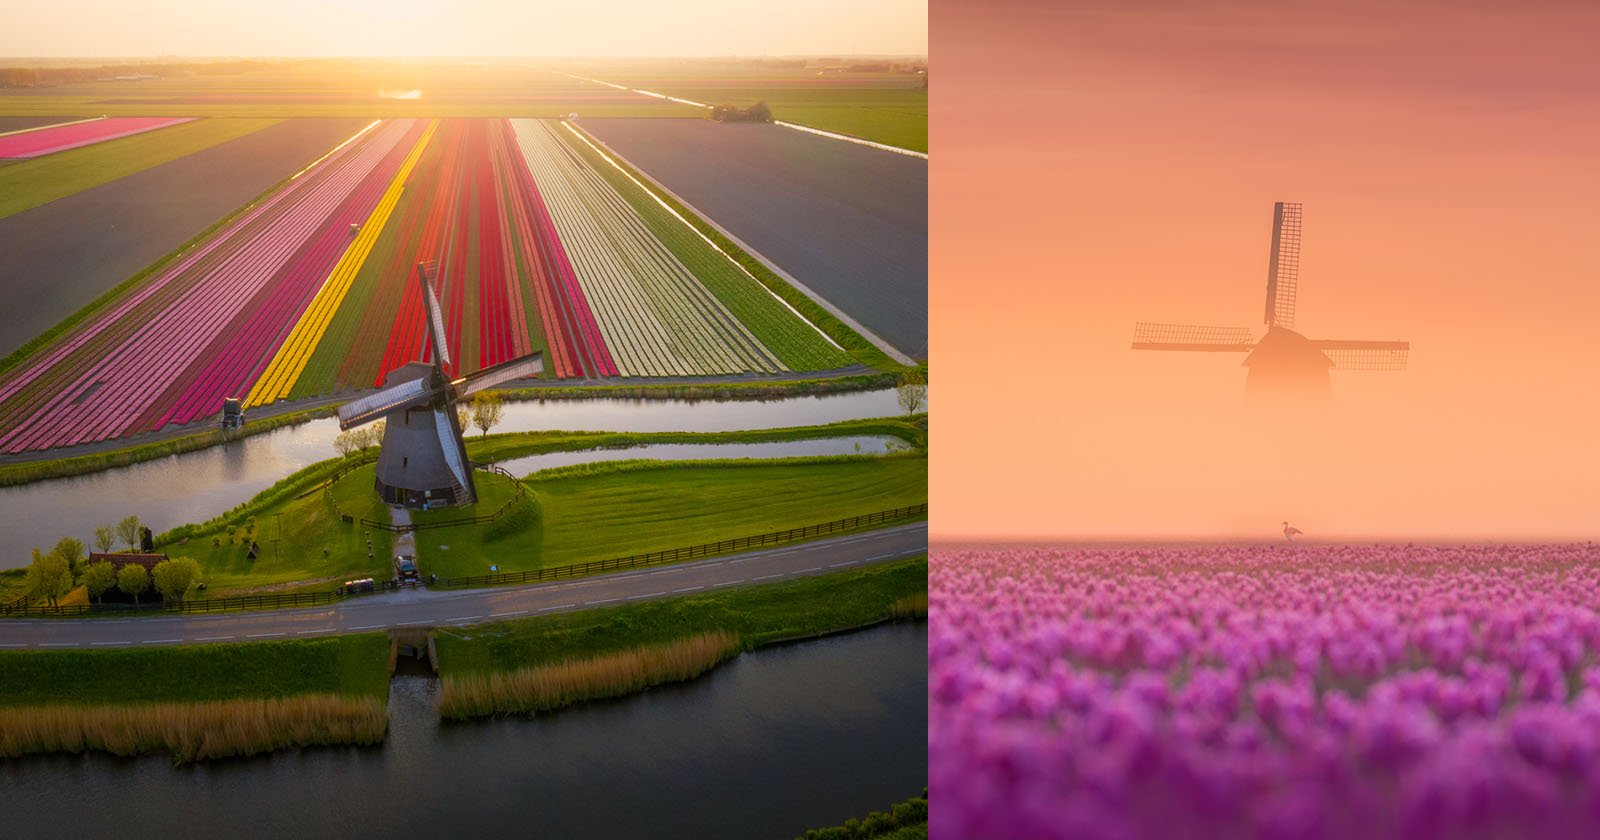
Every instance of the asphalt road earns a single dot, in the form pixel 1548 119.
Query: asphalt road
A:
pixel 455 608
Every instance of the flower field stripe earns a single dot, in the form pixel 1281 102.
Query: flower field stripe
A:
pixel 287 365
pixel 274 251
pixel 655 315
pixel 569 325
pixel 408 334
pixel 237 357
pixel 178 336
pixel 798 343
pixel 104 332
pixel 519 340
pixel 60 137
pixel 364 354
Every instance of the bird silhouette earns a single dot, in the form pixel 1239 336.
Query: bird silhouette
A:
pixel 1289 531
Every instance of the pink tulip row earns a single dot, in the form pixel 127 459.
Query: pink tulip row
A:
pixel 1383 691
pixel 203 329
pixel 59 138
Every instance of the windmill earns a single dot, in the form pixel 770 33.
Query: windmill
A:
pixel 1282 363
pixel 423 459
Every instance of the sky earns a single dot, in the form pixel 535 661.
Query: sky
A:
pixel 462 28
pixel 1098 164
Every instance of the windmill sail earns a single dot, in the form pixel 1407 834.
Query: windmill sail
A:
pixel 1365 355
pixel 454 450
pixel 441 348
pixel 489 377
pixel 1147 336
pixel 373 406
pixel 1283 272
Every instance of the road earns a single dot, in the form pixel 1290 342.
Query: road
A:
pixel 444 608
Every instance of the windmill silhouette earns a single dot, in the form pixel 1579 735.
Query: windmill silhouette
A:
pixel 423 459
pixel 1282 363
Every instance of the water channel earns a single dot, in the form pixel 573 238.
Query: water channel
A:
pixel 767 746
pixel 195 486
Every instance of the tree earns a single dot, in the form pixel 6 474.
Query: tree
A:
pixel 487 407
pixel 49 576
pixel 133 579
pixel 70 550
pixel 174 577
pixel 913 388
pixel 347 441
pixel 128 530
pixel 98 577
pixel 104 538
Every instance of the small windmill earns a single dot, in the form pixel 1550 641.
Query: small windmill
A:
pixel 1282 362
pixel 423 459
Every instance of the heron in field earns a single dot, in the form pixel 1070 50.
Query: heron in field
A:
pixel 1289 531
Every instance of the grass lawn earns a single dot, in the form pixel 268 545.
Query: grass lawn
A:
pixel 309 525
pixel 758 614
pixel 344 665
pixel 600 511
pixel 41 180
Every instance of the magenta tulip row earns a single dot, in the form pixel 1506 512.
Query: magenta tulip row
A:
pixel 203 329
pixel 59 138
pixel 1258 692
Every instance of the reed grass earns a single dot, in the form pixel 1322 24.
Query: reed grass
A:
pixel 910 606
pixel 194 731
pixel 551 686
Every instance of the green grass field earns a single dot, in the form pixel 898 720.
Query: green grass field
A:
pixel 897 116
pixel 758 614
pixel 345 665
pixel 39 181
pixel 309 524
pixel 600 511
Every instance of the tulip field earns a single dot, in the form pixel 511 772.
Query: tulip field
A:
pixel 312 290
pixel 35 142
pixel 1290 691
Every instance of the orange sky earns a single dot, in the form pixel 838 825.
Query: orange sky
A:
pixel 1096 165
pixel 415 28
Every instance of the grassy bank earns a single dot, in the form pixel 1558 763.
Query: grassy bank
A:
pixel 753 390
pixel 756 615
pixel 620 508
pixel 342 665
pixel 195 702
pixel 519 444
pixel 906 820
pixel 542 688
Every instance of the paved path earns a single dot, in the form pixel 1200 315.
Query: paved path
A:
pixel 446 608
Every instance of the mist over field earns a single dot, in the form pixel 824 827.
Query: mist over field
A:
pixel 1446 165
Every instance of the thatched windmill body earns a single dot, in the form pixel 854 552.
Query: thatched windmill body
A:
pixel 1282 363
pixel 423 459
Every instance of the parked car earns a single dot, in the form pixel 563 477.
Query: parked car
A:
pixel 405 569
pixel 362 585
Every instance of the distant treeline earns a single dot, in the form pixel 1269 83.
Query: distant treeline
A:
pixel 21 77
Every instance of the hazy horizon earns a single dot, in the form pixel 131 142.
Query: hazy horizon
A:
pixel 435 28
pixel 1447 165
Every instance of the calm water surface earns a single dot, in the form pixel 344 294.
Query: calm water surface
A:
pixel 196 486
pixel 767 746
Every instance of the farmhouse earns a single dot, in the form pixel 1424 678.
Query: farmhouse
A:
pixel 117 561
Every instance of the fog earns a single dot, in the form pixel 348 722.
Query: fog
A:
pixel 1448 168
